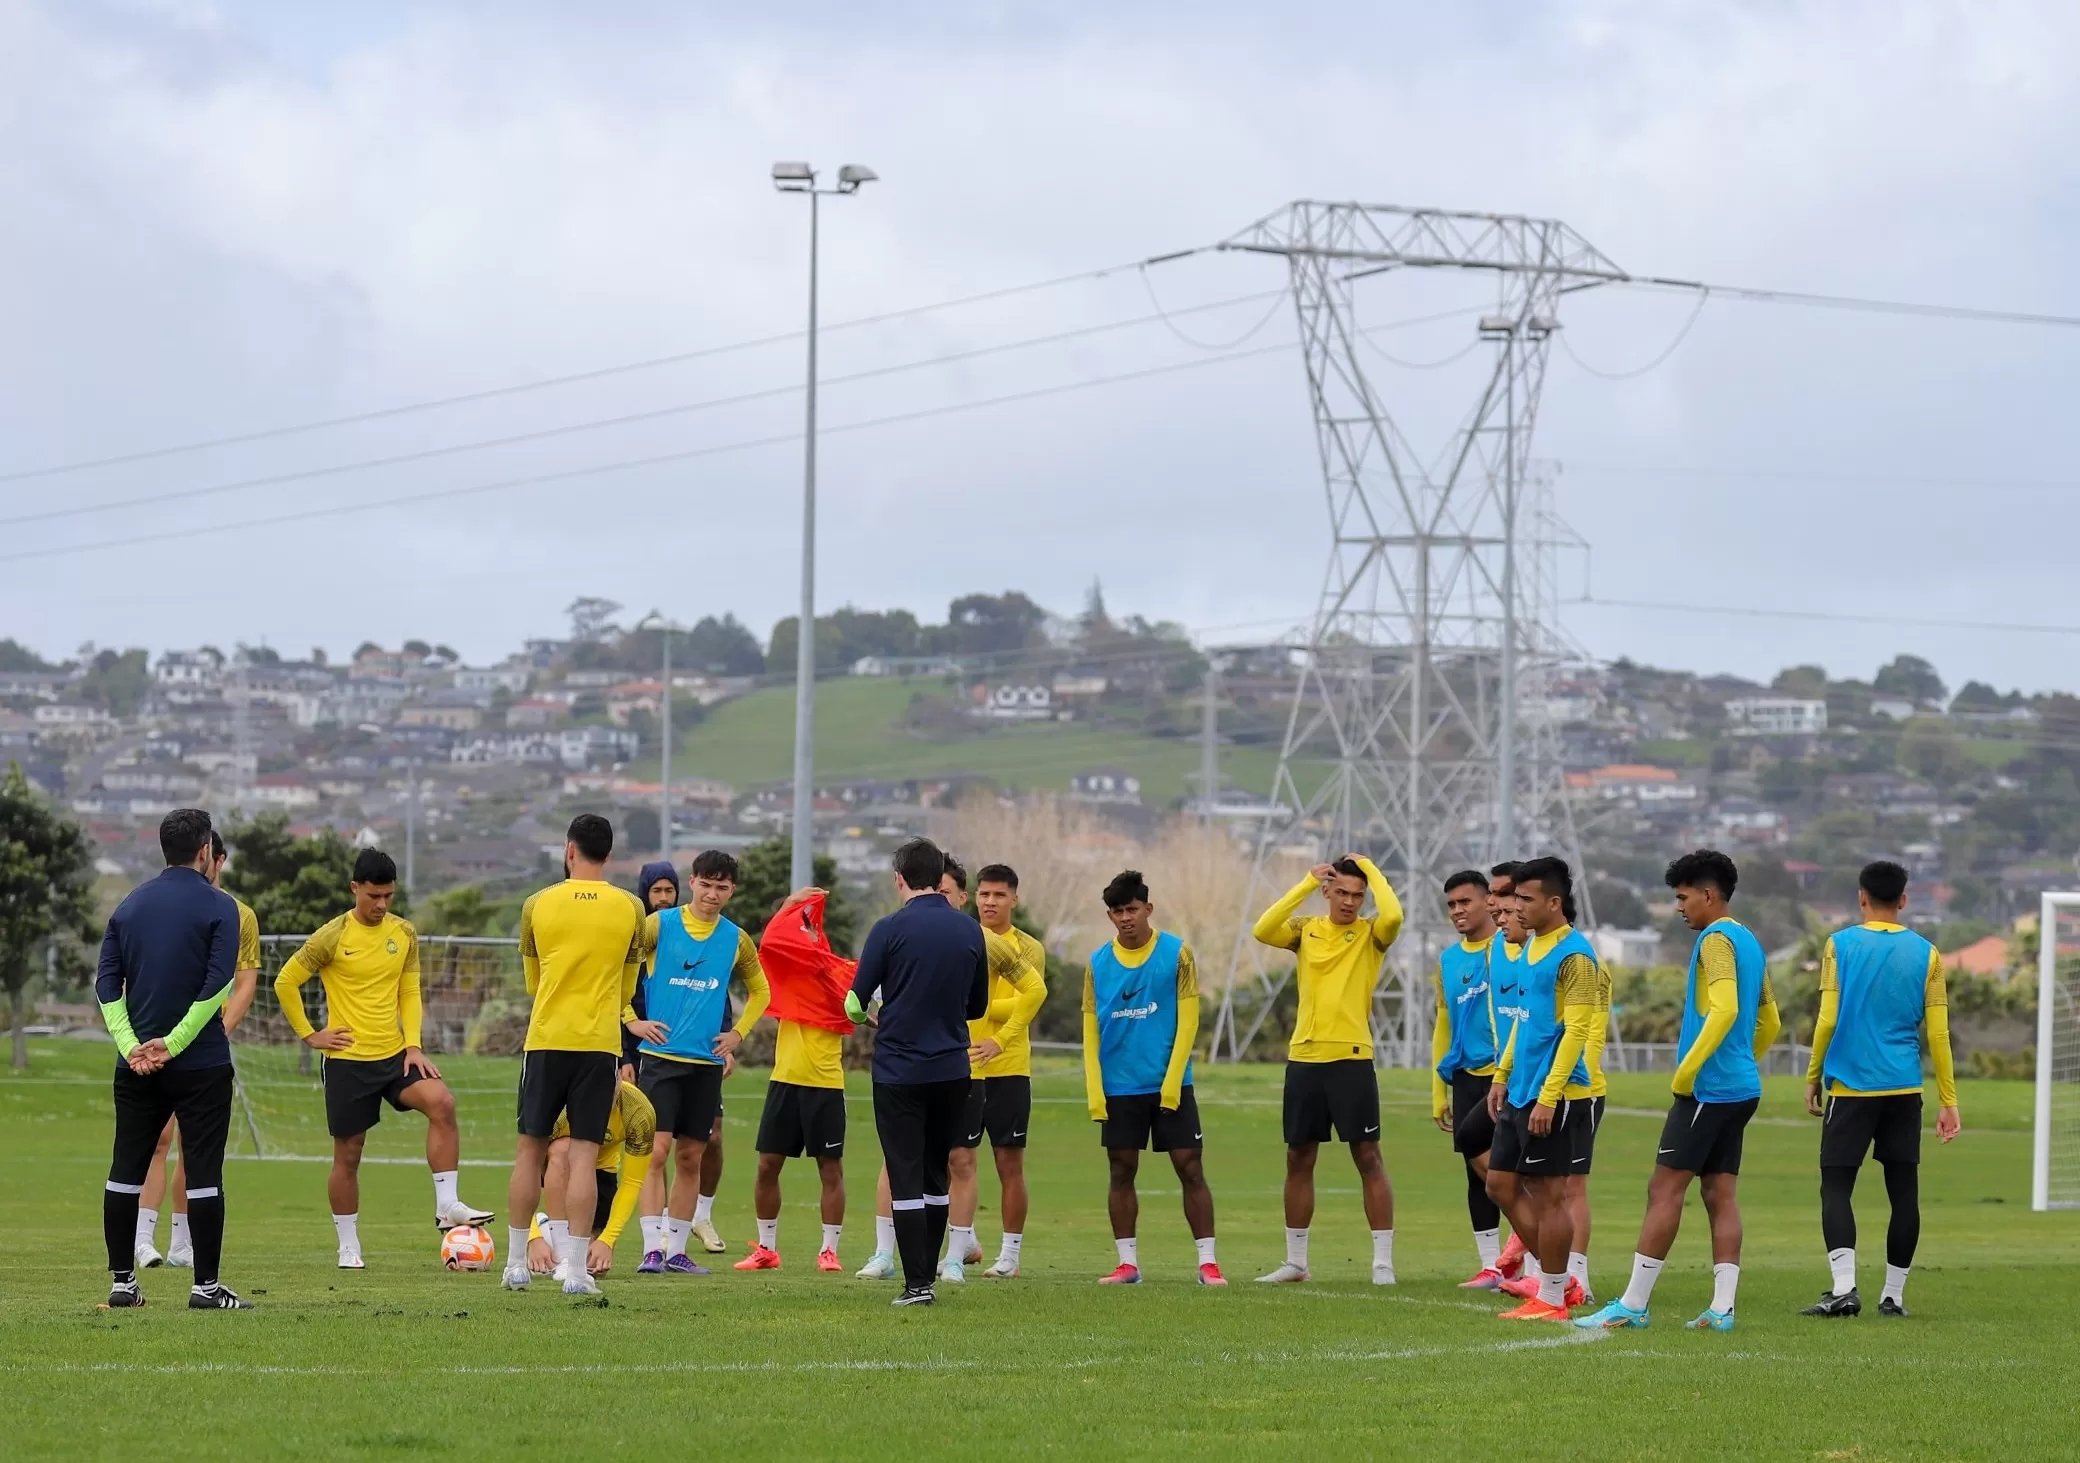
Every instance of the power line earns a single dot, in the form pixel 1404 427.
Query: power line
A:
pixel 1841 617
pixel 1681 335
pixel 597 424
pixel 572 378
pixel 1888 479
pixel 1849 302
pixel 635 463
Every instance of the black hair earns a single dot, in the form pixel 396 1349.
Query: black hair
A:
pixel 1553 876
pixel 958 872
pixel 594 836
pixel 183 833
pixel 1885 882
pixel 216 844
pixel 1507 869
pixel 713 863
pixel 997 874
pixel 920 864
pixel 1126 888
pixel 1347 868
pixel 1567 907
pixel 1701 868
pixel 373 866
pixel 1465 877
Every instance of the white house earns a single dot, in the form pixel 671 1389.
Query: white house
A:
pixel 486 679
pixel 1776 716
pixel 1635 949
pixel 189 668
pixel 1014 703
pixel 1105 785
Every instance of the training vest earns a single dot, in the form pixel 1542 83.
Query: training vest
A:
pixel 1469 1008
pixel 1728 1074
pixel 1137 1017
pixel 1539 1023
pixel 1883 978
pixel 688 987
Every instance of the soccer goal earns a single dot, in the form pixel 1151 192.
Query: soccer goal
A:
pixel 476 1010
pixel 2055 1177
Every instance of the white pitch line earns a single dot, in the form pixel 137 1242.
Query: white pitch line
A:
pixel 929 1364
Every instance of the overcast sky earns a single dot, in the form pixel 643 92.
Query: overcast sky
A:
pixel 229 217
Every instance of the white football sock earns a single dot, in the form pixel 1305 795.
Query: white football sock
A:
pixel 884 1234
pixel 1129 1252
pixel 444 1185
pixel 653 1232
pixel 676 1232
pixel 1640 1289
pixel 1896 1284
pixel 516 1247
pixel 1488 1242
pixel 1578 1267
pixel 1726 1279
pixel 180 1229
pixel 570 1253
pixel 1552 1289
pixel 147 1227
pixel 831 1235
pixel 349 1236
pixel 1205 1248
pixel 1007 1254
pixel 769 1233
pixel 960 1239
pixel 1842 1263
pixel 1296 1248
pixel 1383 1248
pixel 703 1208
pixel 1531 1268
pixel 554 1230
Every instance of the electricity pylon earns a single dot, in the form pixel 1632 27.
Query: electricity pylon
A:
pixel 1418 733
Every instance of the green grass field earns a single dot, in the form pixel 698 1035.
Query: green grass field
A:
pixel 747 743
pixel 406 1360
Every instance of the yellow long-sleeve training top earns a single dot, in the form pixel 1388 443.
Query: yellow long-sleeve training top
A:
pixel 579 952
pixel 1017 990
pixel 1718 995
pixel 1935 1009
pixel 371 978
pixel 631 1137
pixel 1338 968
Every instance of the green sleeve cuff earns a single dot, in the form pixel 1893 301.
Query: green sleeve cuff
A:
pixel 116 1015
pixel 178 1039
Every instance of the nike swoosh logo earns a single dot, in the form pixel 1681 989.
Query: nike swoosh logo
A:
pixel 1534 1160
pixel 1197 1136
pixel 830 1145
pixel 1665 1150
pixel 1018 1135
pixel 1373 1129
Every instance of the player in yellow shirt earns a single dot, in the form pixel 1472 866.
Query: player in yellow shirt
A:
pixel 1329 1076
pixel 623 1161
pixel 368 963
pixel 245 980
pixel 580 942
pixel 1000 1098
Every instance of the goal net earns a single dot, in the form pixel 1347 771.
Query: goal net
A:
pixel 476 1010
pixel 2055 1181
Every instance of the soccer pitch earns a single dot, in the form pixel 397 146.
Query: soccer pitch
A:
pixel 405 1359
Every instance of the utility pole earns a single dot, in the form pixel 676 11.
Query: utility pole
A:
pixel 411 819
pixel 664 760
pixel 801 178
pixel 1209 743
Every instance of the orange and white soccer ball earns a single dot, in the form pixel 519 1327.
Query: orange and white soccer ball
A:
pixel 467 1248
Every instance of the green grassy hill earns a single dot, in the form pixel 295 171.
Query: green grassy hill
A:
pixel 749 743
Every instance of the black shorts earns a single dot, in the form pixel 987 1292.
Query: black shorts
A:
pixel 1473 1131
pixel 1001 1107
pixel 609 1182
pixel 799 1120
pixel 199 1098
pixel 687 1095
pixel 1520 1151
pixel 580 1085
pixel 1319 1094
pixel 1585 1130
pixel 1138 1121
pixel 917 1123
pixel 1704 1137
pixel 1855 1126
pixel 355 1092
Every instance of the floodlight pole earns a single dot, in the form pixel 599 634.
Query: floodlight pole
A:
pixel 799 178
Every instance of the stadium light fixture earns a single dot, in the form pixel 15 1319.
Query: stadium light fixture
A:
pixel 801 178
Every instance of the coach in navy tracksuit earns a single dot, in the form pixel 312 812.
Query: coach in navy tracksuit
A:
pixel 166 964
pixel 929 966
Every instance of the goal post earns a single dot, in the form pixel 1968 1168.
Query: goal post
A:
pixel 2055 1161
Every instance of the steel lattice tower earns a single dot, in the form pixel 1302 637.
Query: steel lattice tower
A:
pixel 1418 733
